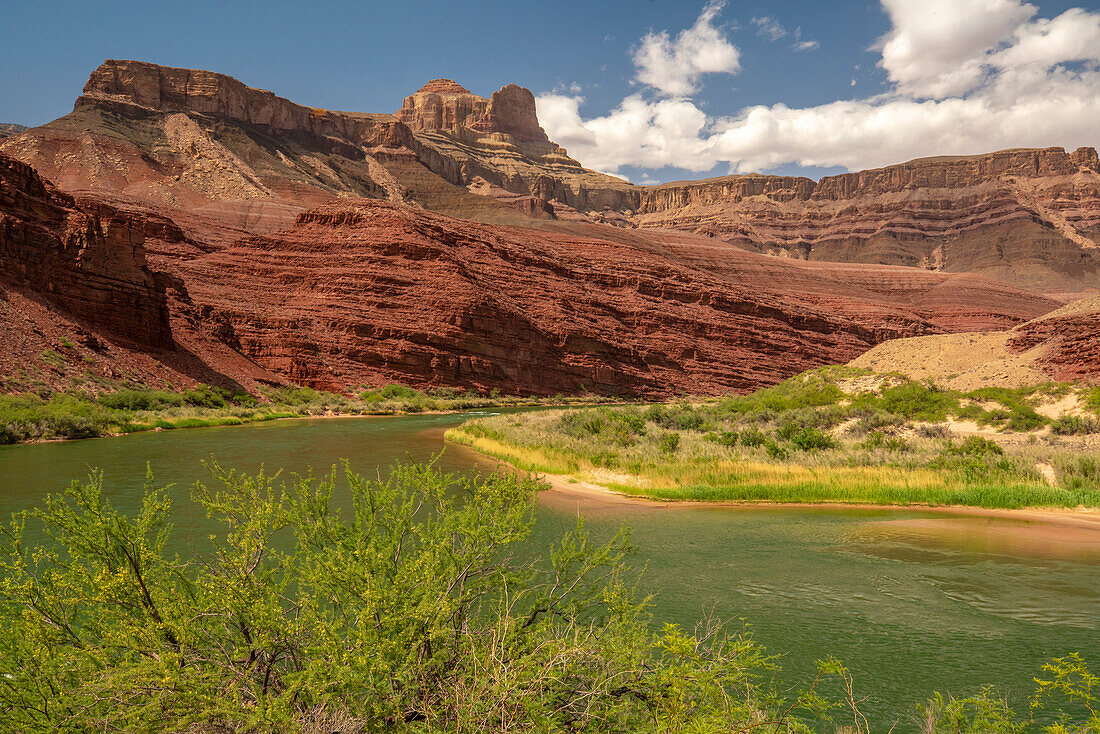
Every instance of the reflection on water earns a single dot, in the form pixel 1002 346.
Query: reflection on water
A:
pixel 911 601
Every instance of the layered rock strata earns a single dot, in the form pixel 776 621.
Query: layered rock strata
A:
pixel 1031 217
pixel 90 264
pixel 366 292
pixel 1069 341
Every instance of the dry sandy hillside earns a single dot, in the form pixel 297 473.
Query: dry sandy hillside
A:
pixel 1063 344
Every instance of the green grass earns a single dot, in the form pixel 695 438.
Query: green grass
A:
pixel 55 415
pixel 805 441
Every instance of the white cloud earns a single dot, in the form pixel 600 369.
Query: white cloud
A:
pixel 673 66
pixel 936 47
pixel 800 45
pixel 1059 109
pixel 1072 36
pixel 650 134
pixel 768 28
pixel 1004 79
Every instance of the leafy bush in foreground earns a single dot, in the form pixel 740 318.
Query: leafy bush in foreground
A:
pixel 414 613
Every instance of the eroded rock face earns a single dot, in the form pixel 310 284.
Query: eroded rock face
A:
pixel 91 265
pixel 465 137
pixel 368 292
pixel 1070 342
pixel 444 105
pixel 256 215
pixel 168 89
pixel 7 129
pixel 456 135
pixel 1031 217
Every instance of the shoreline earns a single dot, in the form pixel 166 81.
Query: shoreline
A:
pixel 564 487
pixel 1081 518
pixel 243 422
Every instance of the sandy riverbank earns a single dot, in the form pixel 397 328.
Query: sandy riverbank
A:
pixel 1032 531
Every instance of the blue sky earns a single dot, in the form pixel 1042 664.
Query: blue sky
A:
pixel 827 96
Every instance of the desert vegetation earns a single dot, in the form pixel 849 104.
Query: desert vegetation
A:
pixel 35 416
pixel 419 610
pixel 829 435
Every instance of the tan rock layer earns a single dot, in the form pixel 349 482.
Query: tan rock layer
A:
pixel 458 135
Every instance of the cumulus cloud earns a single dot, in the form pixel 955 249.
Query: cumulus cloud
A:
pixel 672 66
pixel 1003 78
pixel 638 132
pixel 936 47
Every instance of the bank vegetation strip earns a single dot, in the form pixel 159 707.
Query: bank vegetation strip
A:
pixel 833 435
pixel 30 417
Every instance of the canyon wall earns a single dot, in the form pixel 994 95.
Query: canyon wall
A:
pixel 368 292
pixel 269 241
pixel 1029 217
pixel 90 265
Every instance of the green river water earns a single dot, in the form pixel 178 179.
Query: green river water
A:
pixel 911 601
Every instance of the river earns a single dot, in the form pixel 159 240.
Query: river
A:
pixel 911 601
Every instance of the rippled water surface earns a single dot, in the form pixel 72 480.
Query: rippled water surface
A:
pixel 912 602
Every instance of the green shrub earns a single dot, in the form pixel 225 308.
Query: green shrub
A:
pixel 1071 425
pixel 974 446
pixel 1091 400
pixel 932 430
pixel 774 450
pixel 1081 473
pixel 140 400
pixel 752 438
pixel 725 438
pixel 810 389
pixel 396 391
pixel 291 395
pixel 916 401
pixel 879 440
pixel 689 420
pixel 206 396
pixel 52 358
pixel 669 443
pixel 984 713
pixel 805 438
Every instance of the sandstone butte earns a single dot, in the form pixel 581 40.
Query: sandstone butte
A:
pixel 262 241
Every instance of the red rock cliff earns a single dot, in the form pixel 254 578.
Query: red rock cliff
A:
pixel 93 267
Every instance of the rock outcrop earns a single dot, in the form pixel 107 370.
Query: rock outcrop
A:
pixel 194 91
pixel 253 240
pixel 1067 341
pixel 205 136
pixel 367 292
pixel 91 265
pixel 443 105
pixel 1061 345
pixel 1031 217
